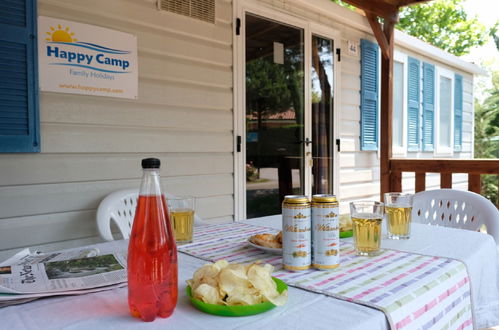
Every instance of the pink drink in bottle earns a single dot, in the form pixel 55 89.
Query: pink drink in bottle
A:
pixel 152 253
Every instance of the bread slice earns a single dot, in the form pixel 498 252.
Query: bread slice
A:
pixel 266 240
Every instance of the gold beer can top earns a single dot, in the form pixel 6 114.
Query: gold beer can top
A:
pixel 295 199
pixel 324 198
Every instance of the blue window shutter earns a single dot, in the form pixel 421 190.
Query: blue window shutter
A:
pixel 413 104
pixel 458 112
pixel 19 124
pixel 428 106
pixel 369 96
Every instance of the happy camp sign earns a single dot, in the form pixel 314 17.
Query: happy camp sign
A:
pixel 85 59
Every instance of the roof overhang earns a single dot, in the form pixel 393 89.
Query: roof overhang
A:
pixel 404 40
pixel 357 21
pixel 387 9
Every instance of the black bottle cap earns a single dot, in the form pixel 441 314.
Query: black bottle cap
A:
pixel 151 163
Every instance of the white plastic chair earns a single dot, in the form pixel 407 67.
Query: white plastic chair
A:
pixel 119 207
pixel 457 209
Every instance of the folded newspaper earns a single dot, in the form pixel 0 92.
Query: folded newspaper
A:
pixel 27 276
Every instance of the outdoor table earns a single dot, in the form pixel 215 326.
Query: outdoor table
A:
pixel 304 309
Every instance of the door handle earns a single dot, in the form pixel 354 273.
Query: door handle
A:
pixel 307 141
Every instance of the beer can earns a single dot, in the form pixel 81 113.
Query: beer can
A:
pixel 296 233
pixel 325 232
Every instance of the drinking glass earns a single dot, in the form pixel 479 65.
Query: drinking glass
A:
pixel 182 217
pixel 398 208
pixel 366 222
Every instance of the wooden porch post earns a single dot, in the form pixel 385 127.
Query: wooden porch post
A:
pixel 385 38
pixel 386 112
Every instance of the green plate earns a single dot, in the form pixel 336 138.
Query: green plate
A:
pixel 345 234
pixel 224 310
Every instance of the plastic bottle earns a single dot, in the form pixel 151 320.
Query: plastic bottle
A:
pixel 152 253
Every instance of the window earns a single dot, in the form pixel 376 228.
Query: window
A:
pixel 458 112
pixel 444 132
pixel 19 127
pixel 445 112
pixel 434 123
pixel 398 103
pixel 399 131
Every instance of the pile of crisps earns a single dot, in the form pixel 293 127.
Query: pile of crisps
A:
pixel 222 283
pixel 345 222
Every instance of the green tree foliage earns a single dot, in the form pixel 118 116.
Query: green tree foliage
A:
pixel 341 3
pixel 487 122
pixel 487 134
pixel 273 88
pixel 267 87
pixel 444 24
pixel 491 105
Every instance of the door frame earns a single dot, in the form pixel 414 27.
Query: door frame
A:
pixel 240 8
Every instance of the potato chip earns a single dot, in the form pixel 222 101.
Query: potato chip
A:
pixel 235 284
pixel 207 274
pixel 233 277
pixel 208 294
pixel 244 296
pixel 261 279
pixel 345 222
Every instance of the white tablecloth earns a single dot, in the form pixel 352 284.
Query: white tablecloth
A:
pixel 304 310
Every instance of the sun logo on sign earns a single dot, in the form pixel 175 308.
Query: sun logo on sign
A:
pixel 60 35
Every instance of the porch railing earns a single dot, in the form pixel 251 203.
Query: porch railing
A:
pixel 446 167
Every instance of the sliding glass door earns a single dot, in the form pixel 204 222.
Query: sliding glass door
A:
pixel 289 113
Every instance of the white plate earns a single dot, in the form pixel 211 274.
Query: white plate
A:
pixel 264 248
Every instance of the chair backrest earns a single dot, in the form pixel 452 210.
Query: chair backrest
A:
pixel 119 207
pixel 457 209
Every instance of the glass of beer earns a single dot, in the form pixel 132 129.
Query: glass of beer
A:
pixel 366 222
pixel 182 218
pixel 398 208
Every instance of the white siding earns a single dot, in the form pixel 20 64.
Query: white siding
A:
pixel 92 146
pixel 359 170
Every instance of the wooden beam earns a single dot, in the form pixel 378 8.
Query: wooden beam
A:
pixel 420 181
pixel 473 166
pixel 474 183
pixel 445 180
pixel 396 182
pixel 403 3
pixel 378 33
pixel 386 110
